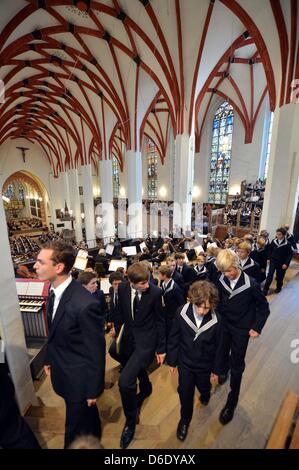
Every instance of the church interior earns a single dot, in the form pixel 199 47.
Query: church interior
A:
pixel 137 131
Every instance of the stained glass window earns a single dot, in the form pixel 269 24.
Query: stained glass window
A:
pixel 221 154
pixel 268 145
pixel 152 174
pixel 115 176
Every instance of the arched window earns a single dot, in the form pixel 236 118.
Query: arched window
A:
pixel 268 145
pixel 115 176
pixel 152 174
pixel 221 154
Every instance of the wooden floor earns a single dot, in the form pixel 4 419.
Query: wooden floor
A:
pixel 269 374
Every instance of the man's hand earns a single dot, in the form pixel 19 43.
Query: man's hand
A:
pixel 47 370
pixel 284 266
pixel 91 401
pixel 253 334
pixel 160 358
pixel 172 369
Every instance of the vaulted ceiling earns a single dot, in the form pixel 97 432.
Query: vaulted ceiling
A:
pixel 86 79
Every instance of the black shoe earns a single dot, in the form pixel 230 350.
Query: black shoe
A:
pixel 141 396
pixel 204 400
pixel 277 291
pixel 226 415
pixel 222 378
pixel 182 431
pixel 127 436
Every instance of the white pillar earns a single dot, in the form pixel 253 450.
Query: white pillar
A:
pixel 183 180
pixel 283 173
pixel 55 200
pixel 107 209
pixel 75 205
pixel 11 325
pixel 89 212
pixel 134 193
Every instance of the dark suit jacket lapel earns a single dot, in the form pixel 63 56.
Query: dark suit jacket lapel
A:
pixel 66 296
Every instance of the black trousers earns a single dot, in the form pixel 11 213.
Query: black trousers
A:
pixel 188 380
pixel 134 367
pixel 14 431
pixel 280 273
pixel 81 420
pixel 234 344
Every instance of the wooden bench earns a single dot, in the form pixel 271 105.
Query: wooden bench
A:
pixel 285 432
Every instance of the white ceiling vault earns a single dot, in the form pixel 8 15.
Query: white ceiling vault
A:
pixel 87 79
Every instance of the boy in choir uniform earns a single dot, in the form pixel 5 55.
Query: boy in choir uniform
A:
pixel 247 264
pixel 290 237
pixel 176 276
pixel 192 347
pixel 201 272
pixel 265 236
pixel 172 296
pixel 280 255
pixel 213 273
pixel 244 310
pixel 259 254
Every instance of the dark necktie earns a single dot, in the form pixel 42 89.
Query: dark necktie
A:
pixel 136 304
pixel 50 307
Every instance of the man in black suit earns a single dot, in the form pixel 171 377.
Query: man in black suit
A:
pixel 139 310
pixel 75 357
pixel 14 431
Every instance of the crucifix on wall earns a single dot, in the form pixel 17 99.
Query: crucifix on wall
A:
pixel 23 150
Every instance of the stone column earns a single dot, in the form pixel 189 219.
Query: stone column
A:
pixel 11 325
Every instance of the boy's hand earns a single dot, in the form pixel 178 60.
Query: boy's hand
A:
pixel 172 369
pixel 253 334
pixel 284 266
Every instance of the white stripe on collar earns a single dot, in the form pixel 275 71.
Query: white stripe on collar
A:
pixel 202 271
pixel 246 266
pixel 285 242
pixel 203 328
pixel 169 287
pixel 240 289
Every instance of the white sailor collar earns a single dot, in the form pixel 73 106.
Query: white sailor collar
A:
pixel 236 291
pixel 169 287
pixel 283 243
pixel 205 327
pixel 249 264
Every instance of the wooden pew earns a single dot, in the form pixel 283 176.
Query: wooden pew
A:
pixel 285 432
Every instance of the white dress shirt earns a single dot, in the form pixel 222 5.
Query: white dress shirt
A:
pixel 198 318
pixel 58 291
pixel 233 282
pixel 133 292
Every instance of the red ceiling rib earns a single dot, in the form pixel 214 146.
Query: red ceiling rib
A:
pixel 284 45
